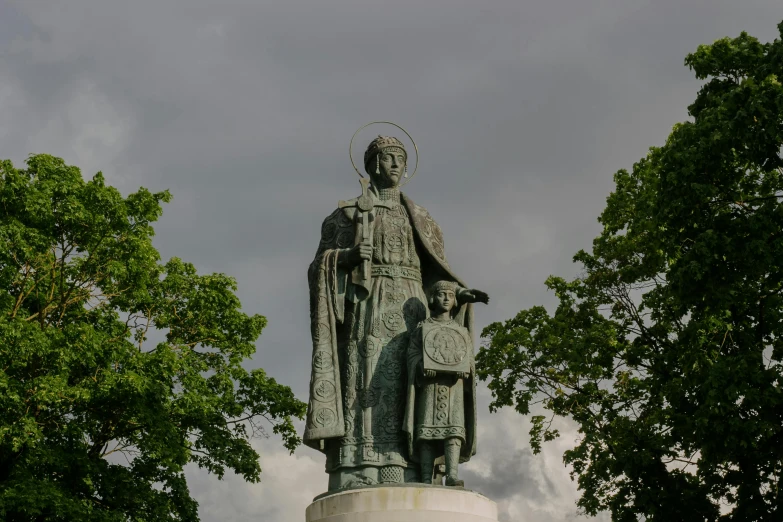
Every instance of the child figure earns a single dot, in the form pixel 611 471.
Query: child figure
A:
pixel 441 411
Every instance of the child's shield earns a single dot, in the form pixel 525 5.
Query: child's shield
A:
pixel 447 347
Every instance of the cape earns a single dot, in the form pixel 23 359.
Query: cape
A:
pixel 330 285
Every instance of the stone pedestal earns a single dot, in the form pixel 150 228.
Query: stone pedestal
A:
pixel 403 503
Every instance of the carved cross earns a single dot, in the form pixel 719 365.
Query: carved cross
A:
pixel 364 207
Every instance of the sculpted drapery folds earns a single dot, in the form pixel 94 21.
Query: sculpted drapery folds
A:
pixel 361 327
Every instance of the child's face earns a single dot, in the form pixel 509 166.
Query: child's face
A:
pixel 444 300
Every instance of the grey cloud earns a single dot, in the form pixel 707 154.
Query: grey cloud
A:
pixel 509 476
pixel 521 110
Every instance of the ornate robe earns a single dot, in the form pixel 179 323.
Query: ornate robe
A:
pixel 359 383
pixel 439 407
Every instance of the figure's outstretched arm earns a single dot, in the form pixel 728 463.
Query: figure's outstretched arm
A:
pixel 465 295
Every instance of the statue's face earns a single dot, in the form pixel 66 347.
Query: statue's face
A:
pixel 444 300
pixel 392 166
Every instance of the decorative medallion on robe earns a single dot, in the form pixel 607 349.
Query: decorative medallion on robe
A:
pixel 446 347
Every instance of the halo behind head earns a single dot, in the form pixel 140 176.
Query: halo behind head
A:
pixel 415 148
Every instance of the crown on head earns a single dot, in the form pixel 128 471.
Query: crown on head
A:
pixel 380 144
pixel 439 286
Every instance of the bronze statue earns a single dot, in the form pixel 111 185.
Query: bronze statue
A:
pixel 376 255
pixel 440 413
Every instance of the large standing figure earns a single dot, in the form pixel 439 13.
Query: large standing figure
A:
pixel 377 254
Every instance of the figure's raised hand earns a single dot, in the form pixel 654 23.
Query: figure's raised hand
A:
pixel 473 296
pixel 353 256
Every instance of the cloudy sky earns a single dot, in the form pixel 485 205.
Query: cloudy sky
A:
pixel 522 111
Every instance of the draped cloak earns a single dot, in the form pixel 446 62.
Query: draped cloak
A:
pixel 331 312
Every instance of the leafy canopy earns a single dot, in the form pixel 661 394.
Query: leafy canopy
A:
pixel 81 291
pixel 667 352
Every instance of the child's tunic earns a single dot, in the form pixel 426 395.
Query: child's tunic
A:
pixel 439 409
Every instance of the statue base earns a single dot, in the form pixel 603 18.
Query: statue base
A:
pixel 402 503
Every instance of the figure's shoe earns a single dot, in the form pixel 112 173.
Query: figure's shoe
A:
pixel 455 482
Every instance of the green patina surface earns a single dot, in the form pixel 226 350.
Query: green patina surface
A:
pixel 376 413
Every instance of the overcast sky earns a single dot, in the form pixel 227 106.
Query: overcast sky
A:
pixel 522 111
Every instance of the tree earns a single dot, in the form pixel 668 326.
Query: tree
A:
pixel 82 291
pixel 667 350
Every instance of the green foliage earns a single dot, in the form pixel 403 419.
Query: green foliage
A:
pixel 83 289
pixel 667 352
